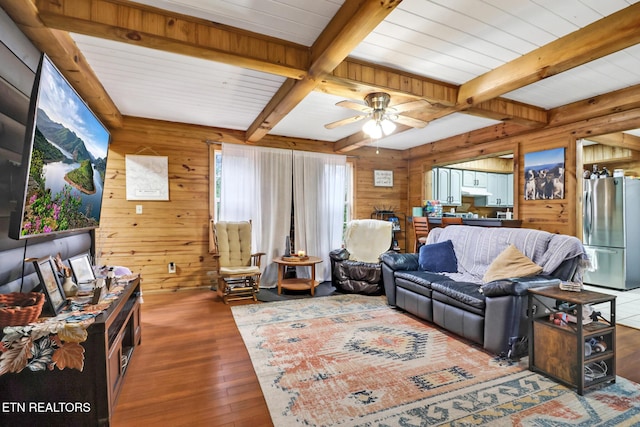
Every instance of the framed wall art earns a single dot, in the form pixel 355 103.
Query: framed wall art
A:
pixel 51 286
pixel 82 270
pixel 544 174
pixel 382 178
pixel 147 177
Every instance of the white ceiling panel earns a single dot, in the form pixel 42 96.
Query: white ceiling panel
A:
pixel 451 125
pixel 613 72
pixel 154 84
pixel 299 21
pixel 457 40
pixel 307 120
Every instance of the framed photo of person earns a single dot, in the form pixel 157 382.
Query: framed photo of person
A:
pixel 51 286
pixel 82 270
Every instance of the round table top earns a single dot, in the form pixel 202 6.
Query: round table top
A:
pixel 310 260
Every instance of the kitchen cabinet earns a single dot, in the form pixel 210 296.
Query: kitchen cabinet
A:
pixel 447 186
pixel 500 185
pixel 474 179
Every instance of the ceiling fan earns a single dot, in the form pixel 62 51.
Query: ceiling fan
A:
pixel 381 116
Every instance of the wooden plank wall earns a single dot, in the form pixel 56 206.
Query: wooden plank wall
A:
pixel 177 230
pixel 167 231
pixel 368 197
pixel 556 216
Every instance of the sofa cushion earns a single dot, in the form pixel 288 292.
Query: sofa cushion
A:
pixel 461 294
pixel 438 258
pixel 517 285
pixel 418 282
pixel 423 278
pixel 511 263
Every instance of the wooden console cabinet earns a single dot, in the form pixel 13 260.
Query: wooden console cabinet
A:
pixel 70 397
pixel 558 350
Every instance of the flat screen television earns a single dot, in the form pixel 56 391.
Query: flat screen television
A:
pixel 64 160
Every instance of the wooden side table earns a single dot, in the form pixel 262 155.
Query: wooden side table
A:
pixel 557 347
pixel 297 284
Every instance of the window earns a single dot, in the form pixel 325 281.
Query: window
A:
pixel 348 201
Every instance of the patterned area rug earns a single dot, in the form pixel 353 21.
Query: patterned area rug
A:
pixel 350 360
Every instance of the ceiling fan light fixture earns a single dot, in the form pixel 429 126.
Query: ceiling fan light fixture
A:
pixel 387 126
pixel 378 126
pixel 373 129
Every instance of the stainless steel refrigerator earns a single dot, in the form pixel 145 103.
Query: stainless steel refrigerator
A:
pixel 611 232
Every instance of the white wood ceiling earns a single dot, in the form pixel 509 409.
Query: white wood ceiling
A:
pixel 447 40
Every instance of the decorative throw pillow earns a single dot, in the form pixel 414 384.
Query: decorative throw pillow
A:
pixel 511 263
pixel 438 258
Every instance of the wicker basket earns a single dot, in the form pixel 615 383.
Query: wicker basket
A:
pixel 17 309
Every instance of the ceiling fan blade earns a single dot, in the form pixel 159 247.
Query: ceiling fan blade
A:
pixel 354 106
pixel 343 122
pixel 410 121
pixel 411 105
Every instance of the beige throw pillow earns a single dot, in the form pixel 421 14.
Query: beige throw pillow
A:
pixel 511 263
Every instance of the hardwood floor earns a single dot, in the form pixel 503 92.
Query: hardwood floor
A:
pixel 193 368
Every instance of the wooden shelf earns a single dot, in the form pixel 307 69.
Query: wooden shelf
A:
pixel 299 284
pixel 558 350
pixel 110 344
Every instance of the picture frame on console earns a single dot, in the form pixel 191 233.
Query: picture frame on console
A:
pixel 51 286
pixel 82 269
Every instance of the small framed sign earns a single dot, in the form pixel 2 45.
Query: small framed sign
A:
pixel 382 178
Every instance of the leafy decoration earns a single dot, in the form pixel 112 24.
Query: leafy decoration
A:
pixel 42 355
pixel 73 333
pixel 16 357
pixel 70 355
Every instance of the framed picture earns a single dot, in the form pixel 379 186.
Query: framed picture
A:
pixel 82 270
pixel 382 178
pixel 544 174
pixel 50 284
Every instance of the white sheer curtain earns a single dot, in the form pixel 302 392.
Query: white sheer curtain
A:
pixel 256 185
pixel 319 203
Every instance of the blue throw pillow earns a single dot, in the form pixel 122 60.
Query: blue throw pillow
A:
pixel 438 258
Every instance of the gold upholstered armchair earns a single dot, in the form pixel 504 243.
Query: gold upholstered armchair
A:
pixel 238 268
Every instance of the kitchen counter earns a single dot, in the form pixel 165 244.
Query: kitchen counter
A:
pixel 483 222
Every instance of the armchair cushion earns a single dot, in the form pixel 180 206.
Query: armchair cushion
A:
pixel 438 258
pixel 233 243
pixel 241 270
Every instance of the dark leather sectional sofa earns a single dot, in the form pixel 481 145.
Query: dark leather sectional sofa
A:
pixel 492 314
